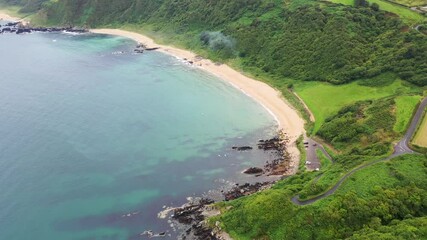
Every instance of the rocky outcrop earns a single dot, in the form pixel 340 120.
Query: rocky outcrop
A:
pixel 191 215
pixel 6 29
pixel 23 30
pixel 141 47
pixel 254 170
pixel 244 190
pixel 19 28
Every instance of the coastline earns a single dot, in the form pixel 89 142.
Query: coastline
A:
pixel 4 16
pixel 271 99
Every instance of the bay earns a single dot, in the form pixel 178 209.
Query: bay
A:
pixel 91 132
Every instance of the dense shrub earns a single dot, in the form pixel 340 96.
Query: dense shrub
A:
pixel 363 128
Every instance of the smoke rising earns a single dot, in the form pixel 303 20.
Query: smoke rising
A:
pixel 217 41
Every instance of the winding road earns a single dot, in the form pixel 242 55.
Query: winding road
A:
pixel 399 149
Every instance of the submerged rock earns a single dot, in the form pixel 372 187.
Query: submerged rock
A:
pixel 245 189
pixel 243 148
pixel 253 170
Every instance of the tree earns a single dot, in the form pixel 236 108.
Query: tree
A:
pixel 361 3
pixel 375 7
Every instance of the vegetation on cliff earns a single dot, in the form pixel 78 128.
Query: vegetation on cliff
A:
pixel 372 69
pixel 385 201
pixel 305 40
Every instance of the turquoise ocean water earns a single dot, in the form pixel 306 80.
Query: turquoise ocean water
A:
pixel 91 132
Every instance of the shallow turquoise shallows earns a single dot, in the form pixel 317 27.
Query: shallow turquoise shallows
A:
pixel 90 131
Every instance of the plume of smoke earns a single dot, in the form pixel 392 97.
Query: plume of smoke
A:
pixel 217 41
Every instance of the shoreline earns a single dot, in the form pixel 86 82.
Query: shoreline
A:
pixel 7 17
pixel 269 98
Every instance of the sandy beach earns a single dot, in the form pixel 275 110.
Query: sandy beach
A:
pixel 286 117
pixel 4 16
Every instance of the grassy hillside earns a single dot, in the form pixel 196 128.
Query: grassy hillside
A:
pixel 406 14
pixel 304 40
pixel 368 204
pixel 420 138
pixel 25 6
pixel 317 96
pixel 405 106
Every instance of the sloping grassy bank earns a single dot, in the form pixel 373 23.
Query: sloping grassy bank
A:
pixel 368 204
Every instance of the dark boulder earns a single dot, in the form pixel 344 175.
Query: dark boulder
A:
pixel 141 45
pixel 40 29
pixel 7 29
pixel 12 24
pixel 23 30
pixel 152 49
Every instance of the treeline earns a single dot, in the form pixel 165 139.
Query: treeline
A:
pixel 305 40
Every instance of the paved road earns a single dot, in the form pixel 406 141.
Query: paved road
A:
pixel 399 149
pixel 312 160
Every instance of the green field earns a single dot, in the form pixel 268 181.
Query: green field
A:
pixel 405 106
pixel 411 3
pixel 324 161
pixel 11 10
pixel 325 100
pixel 420 138
pixel 407 15
pixel 346 2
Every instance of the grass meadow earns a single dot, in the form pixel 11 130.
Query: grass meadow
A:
pixel 420 138
pixel 405 106
pixel 407 15
pixel 325 100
